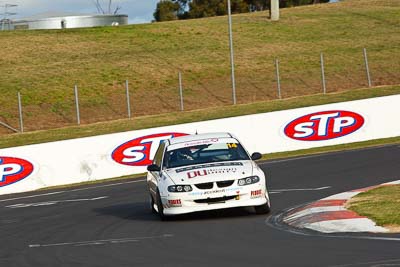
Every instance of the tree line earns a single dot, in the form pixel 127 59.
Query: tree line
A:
pixel 190 9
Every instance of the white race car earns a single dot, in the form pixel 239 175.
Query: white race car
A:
pixel 205 172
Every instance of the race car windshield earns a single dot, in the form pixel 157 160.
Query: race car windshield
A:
pixel 204 153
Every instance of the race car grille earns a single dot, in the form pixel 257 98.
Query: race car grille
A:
pixel 225 183
pixel 214 200
pixel 204 186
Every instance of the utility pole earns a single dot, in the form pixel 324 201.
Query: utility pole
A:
pixel 6 21
pixel 232 54
pixel 107 9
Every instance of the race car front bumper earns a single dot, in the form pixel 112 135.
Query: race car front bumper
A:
pixel 203 200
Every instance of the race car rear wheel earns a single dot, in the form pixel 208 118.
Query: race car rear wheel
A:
pixel 263 209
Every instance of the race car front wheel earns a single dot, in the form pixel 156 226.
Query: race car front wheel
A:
pixel 160 207
pixel 153 210
pixel 263 209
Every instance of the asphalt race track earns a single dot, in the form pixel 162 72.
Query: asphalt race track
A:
pixel 112 225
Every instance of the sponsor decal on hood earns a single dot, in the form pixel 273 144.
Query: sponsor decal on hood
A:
pixel 212 172
pixel 210 165
pixel 205 172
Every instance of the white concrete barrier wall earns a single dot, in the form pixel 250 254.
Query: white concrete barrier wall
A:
pixel 32 167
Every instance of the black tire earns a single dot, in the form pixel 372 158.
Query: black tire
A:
pixel 160 208
pixel 263 209
pixel 153 210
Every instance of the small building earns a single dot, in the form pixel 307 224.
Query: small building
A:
pixel 54 20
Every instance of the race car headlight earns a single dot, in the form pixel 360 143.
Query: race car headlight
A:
pixel 179 188
pixel 249 180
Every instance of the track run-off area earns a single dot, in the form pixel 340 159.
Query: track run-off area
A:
pixel 111 224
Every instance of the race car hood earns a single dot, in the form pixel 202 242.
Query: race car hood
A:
pixel 210 172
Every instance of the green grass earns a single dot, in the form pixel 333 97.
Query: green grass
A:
pixel 45 65
pixel 381 205
pixel 189 116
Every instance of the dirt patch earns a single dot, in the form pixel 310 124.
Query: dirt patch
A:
pixel 393 228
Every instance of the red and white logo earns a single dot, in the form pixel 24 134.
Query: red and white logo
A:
pixel 256 193
pixel 324 125
pixel 141 151
pixel 175 202
pixel 194 174
pixel 13 170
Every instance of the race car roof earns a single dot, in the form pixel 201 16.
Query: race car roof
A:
pixel 198 137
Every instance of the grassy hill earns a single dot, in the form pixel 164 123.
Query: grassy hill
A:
pixel 45 65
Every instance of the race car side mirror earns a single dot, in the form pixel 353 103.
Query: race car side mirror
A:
pixel 153 168
pixel 256 156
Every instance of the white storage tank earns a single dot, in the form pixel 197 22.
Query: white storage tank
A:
pixel 68 21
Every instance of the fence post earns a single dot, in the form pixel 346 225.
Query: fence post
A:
pixel 367 67
pixel 21 122
pixel 78 116
pixel 128 102
pixel 323 73
pixel 180 90
pixel 278 79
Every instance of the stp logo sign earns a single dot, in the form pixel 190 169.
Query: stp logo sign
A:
pixel 13 170
pixel 324 125
pixel 141 151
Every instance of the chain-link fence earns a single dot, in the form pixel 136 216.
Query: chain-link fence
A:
pixel 272 78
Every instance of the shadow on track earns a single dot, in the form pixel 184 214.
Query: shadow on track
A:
pixel 141 212
pixel 129 211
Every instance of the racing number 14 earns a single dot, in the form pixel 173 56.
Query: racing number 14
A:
pixel 232 145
